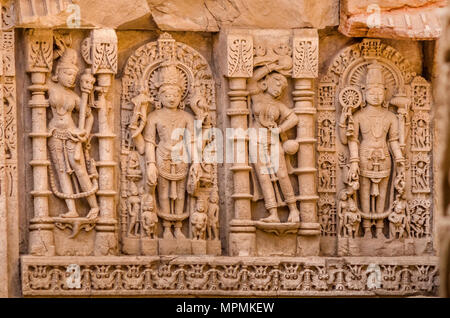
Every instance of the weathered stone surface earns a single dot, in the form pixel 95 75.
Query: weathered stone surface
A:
pixel 396 19
pixel 108 14
pixel 442 95
pixel 180 15
pixel 250 150
pixel 208 15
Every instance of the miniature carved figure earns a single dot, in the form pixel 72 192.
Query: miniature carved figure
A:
pixel 325 175
pixel 371 133
pixel 133 206
pixel 421 180
pixel 419 221
pixel 199 221
pixel 266 86
pixel 398 219
pixel 69 144
pixel 325 218
pixel 349 216
pixel 326 134
pixel 213 216
pixel 420 135
pixel 149 219
pixel 133 167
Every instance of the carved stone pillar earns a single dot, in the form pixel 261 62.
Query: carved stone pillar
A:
pixel 240 67
pixel 3 199
pixel 305 70
pixel 9 204
pixel 39 46
pixel 101 52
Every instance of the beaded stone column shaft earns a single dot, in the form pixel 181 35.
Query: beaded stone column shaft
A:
pixel 103 57
pixel 39 64
pixel 242 231
pixel 305 56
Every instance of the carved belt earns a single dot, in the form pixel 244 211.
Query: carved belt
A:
pixel 170 173
pixel 375 174
pixel 64 135
pixel 61 134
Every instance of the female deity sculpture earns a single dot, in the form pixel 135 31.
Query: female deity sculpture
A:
pixel 69 143
pixel 164 139
pixel 369 133
pixel 274 117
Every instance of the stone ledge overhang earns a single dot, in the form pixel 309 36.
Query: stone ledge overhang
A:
pixel 229 276
pixel 418 20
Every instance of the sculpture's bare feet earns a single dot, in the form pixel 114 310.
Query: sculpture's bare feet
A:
pixel 294 216
pixel 272 218
pixel 179 234
pixel 70 214
pixel 367 233
pixel 93 213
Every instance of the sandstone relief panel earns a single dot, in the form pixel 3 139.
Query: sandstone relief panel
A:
pixel 235 155
pixel 280 131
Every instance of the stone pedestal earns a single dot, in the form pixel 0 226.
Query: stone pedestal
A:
pixel 214 247
pixel 149 246
pixel 242 238
pixel 130 245
pixel 198 247
pixel 82 245
pixel 175 247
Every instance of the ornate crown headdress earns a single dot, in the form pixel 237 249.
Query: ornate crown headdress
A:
pixel 68 60
pixel 169 75
pixel 374 76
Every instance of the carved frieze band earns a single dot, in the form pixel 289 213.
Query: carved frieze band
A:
pixel 230 276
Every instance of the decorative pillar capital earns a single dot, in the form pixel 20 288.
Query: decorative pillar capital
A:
pixel 100 51
pixel 305 54
pixel 239 56
pixel 39 50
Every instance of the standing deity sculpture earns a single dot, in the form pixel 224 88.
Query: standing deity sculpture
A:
pixel 372 135
pixel 272 117
pixel 167 152
pixel 168 101
pixel 69 143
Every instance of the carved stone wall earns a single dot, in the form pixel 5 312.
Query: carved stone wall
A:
pixel 221 148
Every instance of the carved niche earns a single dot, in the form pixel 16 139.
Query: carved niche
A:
pixel 169 191
pixel 381 112
pixel 276 213
pixel 80 219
